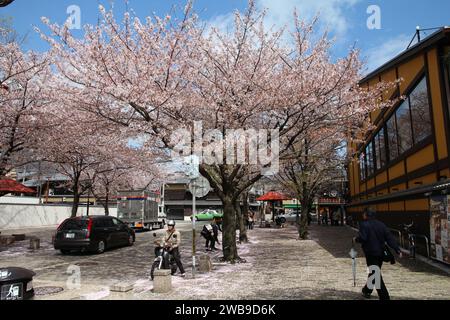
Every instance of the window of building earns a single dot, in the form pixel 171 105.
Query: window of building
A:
pixel 392 138
pixel 380 149
pixel 404 128
pixel 446 62
pixel 370 159
pixel 362 166
pixel 420 111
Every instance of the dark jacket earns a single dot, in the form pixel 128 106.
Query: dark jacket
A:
pixel 373 234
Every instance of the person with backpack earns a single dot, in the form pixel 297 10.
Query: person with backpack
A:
pixel 211 232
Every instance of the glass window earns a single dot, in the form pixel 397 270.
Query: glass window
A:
pixel 420 110
pixel 392 138
pixel 380 150
pixel 75 224
pixel 362 166
pixel 404 128
pixel 370 162
pixel 377 152
pixel 382 142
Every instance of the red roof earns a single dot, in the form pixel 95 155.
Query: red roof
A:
pixel 273 196
pixel 12 186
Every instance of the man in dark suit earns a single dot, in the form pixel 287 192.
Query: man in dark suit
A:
pixel 373 236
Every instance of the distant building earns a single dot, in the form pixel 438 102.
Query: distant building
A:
pixel 178 201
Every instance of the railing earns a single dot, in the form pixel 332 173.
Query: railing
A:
pixel 400 236
pixel 427 242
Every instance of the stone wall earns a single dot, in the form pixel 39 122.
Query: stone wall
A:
pixel 15 216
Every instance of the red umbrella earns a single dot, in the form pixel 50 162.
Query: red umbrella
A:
pixel 12 186
pixel 273 196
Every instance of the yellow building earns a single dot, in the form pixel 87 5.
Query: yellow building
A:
pixel 404 163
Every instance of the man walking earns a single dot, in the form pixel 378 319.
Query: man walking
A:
pixel 373 236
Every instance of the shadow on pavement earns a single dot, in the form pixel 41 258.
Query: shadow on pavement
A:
pixel 338 242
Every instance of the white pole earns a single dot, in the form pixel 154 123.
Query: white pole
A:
pixel 193 227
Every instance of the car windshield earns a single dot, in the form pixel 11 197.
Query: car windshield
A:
pixel 75 224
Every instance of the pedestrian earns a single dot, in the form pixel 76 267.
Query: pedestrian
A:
pixel 373 236
pixel 335 218
pixel 338 217
pixel 251 220
pixel 309 218
pixel 211 232
pixel 325 216
pixel 172 239
pixel 247 221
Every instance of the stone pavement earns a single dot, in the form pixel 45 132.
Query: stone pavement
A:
pixel 278 267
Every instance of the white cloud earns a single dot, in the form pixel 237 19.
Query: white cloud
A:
pixel 379 55
pixel 280 13
pixel 331 12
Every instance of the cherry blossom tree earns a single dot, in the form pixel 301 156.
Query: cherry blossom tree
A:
pixel 22 79
pixel 156 77
pixel 125 169
pixel 314 163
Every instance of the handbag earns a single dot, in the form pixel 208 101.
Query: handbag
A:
pixel 387 255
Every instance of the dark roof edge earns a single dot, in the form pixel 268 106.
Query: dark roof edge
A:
pixel 437 186
pixel 427 42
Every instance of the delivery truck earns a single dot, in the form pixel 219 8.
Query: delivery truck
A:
pixel 139 209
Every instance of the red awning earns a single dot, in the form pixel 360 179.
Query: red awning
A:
pixel 12 186
pixel 273 196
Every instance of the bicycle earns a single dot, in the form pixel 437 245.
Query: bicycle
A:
pixel 407 228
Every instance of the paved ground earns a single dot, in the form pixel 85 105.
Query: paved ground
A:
pixel 278 267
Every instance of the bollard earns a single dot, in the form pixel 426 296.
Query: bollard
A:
pixel 205 264
pixel 162 283
pixel 35 243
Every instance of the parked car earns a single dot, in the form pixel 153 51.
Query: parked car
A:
pixel 292 217
pixel 287 217
pixel 93 234
pixel 208 215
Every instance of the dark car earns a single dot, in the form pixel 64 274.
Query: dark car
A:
pixel 93 234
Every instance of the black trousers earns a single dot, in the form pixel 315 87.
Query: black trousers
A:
pixel 210 241
pixel 383 293
pixel 177 257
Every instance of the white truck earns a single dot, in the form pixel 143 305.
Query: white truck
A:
pixel 139 209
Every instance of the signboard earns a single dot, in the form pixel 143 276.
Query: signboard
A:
pixel 199 187
pixel 439 228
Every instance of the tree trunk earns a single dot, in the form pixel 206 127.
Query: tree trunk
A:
pixel 106 205
pixel 229 230
pixel 240 217
pixel 76 201
pixel 303 225
pixel 306 204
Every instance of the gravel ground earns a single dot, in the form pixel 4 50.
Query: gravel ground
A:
pixel 278 267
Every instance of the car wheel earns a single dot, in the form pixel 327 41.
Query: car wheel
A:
pixel 101 246
pixel 283 220
pixel 65 251
pixel 130 240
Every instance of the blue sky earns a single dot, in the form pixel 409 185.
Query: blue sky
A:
pixel 346 19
